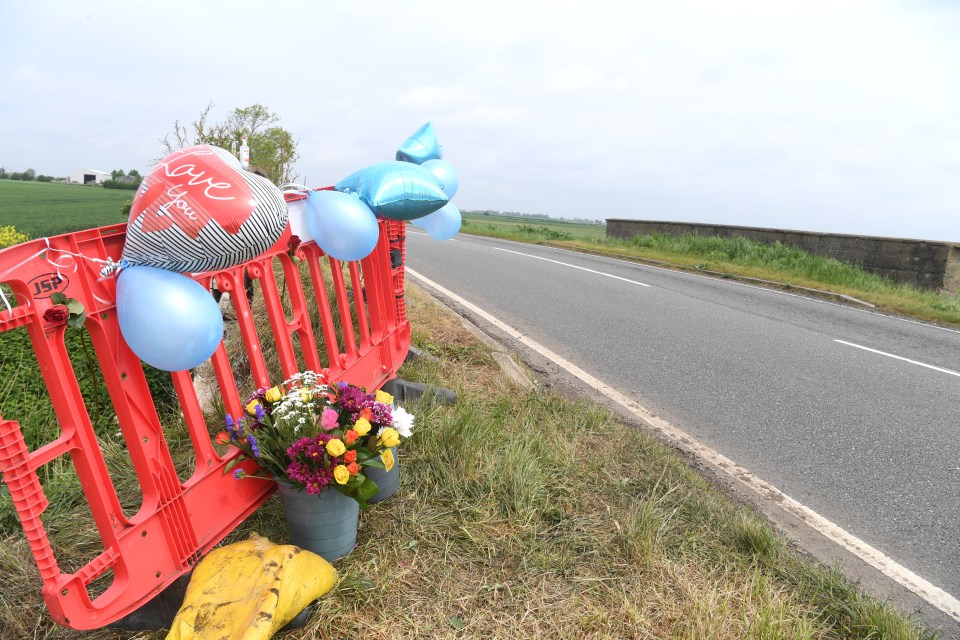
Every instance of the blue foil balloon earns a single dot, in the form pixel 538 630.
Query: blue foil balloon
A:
pixel 168 320
pixel 396 190
pixel 444 223
pixel 342 225
pixel 445 175
pixel 421 146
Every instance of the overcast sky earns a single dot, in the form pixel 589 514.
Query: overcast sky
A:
pixel 823 115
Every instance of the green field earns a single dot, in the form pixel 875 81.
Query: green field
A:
pixel 50 208
pixel 529 228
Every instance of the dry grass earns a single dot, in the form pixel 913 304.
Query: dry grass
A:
pixel 522 514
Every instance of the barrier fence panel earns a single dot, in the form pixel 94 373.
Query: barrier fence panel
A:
pixel 344 317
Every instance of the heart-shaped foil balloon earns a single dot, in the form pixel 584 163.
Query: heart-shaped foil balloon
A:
pixel 198 211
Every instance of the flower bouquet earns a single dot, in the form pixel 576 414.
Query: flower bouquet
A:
pixel 309 435
pixel 319 442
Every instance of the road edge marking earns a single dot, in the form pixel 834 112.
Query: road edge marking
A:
pixel 932 594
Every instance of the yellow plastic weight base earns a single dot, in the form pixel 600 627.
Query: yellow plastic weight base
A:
pixel 249 590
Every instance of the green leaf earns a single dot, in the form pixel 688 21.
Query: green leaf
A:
pixel 457 622
pixel 77 320
pixel 74 306
pixel 58 298
pixel 376 463
pixel 368 489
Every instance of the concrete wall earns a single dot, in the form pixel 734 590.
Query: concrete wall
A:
pixel 922 263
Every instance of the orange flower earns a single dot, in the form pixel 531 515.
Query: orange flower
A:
pixel 223 438
pixel 353 468
pixel 350 436
pixel 367 413
pixel 350 456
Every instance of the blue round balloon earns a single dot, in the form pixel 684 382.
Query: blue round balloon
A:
pixel 167 319
pixel 443 223
pixel 396 190
pixel 342 225
pixel 445 175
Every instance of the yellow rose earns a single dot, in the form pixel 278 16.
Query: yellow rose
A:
pixel 252 407
pixel 389 438
pixel 336 448
pixel 306 396
pixel 384 397
pixel 387 457
pixel 362 427
pixel 273 395
pixel 340 473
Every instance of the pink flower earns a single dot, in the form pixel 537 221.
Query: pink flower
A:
pixel 328 419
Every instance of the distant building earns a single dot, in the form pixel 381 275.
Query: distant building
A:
pixel 88 176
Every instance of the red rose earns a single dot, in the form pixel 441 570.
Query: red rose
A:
pixel 350 456
pixel 293 243
pixel 223 438
pixel 353 468
pixel 56 315
pixel 350 436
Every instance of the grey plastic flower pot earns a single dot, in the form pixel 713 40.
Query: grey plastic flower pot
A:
pixel 387 481
pixel 325 524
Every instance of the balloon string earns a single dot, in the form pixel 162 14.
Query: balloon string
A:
pixel 299 188
pixel 63 261
pixel 111 267
pixel 5 302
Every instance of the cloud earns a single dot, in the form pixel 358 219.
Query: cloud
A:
pixel 575 78
pixel 830 114
pixel 427 97
pixel 486 116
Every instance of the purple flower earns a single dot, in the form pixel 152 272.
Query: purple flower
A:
pixel 239 474
pixel 261 414
pixel 254 447
pixel 298 471
pixel 382 413
pixel 233 429
pixel 352 399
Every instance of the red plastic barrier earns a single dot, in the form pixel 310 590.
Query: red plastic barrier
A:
pixel 397 237
pixel 178 521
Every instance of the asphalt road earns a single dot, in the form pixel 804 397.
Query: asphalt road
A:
pixel 867 440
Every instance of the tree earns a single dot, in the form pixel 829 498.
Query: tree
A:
pixel 272 148
pixel 116 173
pixel 29 174
pixel 133 173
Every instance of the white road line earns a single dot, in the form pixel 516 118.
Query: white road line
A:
pixel 424 233
pixel 567 264
pixel 890 355
pixel 872 556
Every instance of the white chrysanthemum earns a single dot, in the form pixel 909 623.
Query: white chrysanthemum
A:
pixel 403 422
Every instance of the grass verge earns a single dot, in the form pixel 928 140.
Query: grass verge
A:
pixel 523 514
pixel 735 256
